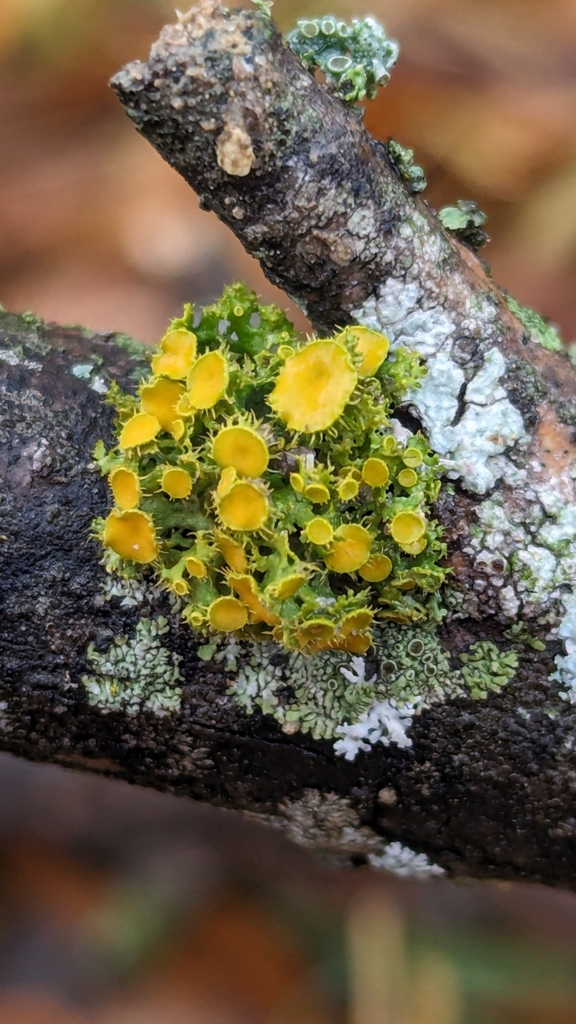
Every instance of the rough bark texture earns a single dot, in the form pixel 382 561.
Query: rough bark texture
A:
pixel 487 787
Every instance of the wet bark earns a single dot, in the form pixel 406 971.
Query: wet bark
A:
pixel 483 790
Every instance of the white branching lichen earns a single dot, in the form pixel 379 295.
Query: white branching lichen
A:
pixel 384 722
pixel 403 861
pixel 136 673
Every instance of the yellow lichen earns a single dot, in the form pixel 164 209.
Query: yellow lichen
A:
pixel 247 590
pixel 131 535
pixel 243 507
pixel 376 569
pixel 138 430
pixel 319 531
pixel 160 398
pixel 177 354
pixel 318 494
pixel 243 448
pixel 407 478
pixel 372 346
pixel 208 380
pixel 125 485
pixel 313 386
pixel 412 457
pixel 375 472
pixel 176 482
pixel 408 527
pixel 227 614
pixel 351 549
pixel 233 554
pixel 287 587
pixel 348 488
pixel 259 530
pixel 357 622
pixel 195 567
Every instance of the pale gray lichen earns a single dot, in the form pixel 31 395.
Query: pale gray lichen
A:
pixel 471 424
pixel 326 822
pixel 136 673
pixel 404 862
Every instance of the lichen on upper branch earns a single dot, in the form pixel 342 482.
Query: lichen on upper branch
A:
pixel 356 59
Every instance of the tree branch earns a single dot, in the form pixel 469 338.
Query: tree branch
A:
pixel 486 787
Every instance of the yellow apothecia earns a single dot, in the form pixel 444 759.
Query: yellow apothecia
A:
pixel 125 487
pixel 256 475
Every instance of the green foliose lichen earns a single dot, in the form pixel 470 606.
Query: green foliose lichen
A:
pixel 402 160
pixel 486 668
pixel 356 59
pixel 538 328
pixel 466 221
pixel 257 474
pixel 136 673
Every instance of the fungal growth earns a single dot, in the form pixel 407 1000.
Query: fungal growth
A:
pixel 356 59
pixel 256 476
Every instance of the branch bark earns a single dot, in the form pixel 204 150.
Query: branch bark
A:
pixel 487 787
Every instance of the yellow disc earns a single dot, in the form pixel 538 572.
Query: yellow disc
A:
pixel 131 535
pixel 176 354
pixel 125 487
pixel 412 457
pixel 407 527
pixel 208 380
pixel 377 568
pixel 140 429
pixel 243 507
pixel 318 494
pixel 226 614
pixel 375 472
pixel 407 478
pixel 372 346
pixel 242 448
pixel 177 483
pixel 313 386
pixel 160 400
pixel 319 531
pixel 232 553
pixel 351 549
pixel 348 488
pixel 195 567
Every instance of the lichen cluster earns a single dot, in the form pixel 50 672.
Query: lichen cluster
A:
pixel 466 221
pixel 402 160
pixel 136 673
pixel 540 331
pixel 258 476
pixel 360 701
pixel 356 59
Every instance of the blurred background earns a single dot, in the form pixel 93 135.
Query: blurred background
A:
pixel 120 906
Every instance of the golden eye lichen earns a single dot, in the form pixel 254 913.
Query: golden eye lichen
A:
pixel 256 476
